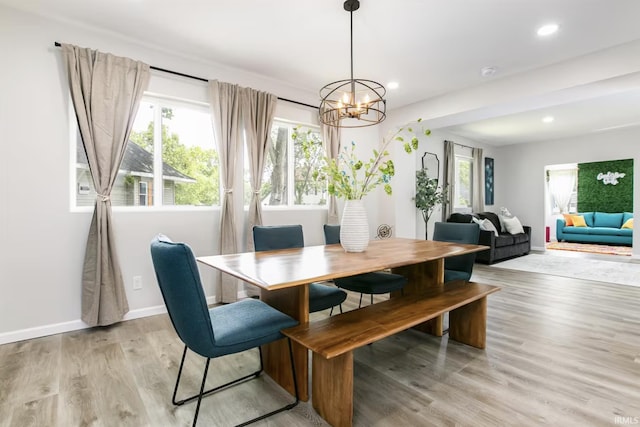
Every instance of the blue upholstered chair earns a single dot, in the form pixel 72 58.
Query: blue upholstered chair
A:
pixel 459 267
pixel 374 283
pixel 272 237
pixel 214 332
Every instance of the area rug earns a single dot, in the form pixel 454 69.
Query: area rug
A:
pixel 622 273
pixel 592 248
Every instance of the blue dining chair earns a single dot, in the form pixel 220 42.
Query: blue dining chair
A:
pixel 458 267
pixel 373 283
pixel 272 237
pixel 215 332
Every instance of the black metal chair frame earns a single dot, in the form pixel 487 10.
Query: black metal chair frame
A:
pixel 255 374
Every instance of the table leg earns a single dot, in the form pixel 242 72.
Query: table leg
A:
pixel 294 302
pixel 421 277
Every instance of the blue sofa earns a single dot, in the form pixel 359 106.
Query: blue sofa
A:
pixel 601 228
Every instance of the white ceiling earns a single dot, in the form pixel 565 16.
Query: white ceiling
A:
pixel 431 47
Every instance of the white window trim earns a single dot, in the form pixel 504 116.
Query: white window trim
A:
pixel 73 140
pixel 291 173
pixel 456 207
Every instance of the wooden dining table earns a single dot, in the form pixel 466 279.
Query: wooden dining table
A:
pixel 283 277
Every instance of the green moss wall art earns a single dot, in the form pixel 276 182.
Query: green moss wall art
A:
pixel 605 186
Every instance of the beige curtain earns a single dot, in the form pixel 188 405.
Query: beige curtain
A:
pixel 106 92
pixel 331 138
pixel 477 192
pixel 449 175
pixel 258 109
pixel 225 101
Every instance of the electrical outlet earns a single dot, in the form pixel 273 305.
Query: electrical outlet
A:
pixel 137 283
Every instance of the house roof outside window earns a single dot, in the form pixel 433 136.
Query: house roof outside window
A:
pixel 138 162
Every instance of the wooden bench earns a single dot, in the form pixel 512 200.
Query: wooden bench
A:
pixel 333 340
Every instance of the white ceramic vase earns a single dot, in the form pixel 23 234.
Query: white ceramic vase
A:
pixel 354 228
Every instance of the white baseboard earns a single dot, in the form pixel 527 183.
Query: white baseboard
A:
pixel 75 325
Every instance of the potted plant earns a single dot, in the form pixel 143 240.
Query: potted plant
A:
pixel 351 179
pixel 428 196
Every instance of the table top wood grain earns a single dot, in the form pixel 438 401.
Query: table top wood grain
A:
pixel 285 268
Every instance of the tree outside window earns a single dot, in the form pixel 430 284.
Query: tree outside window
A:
pixel 197 159
pixel 295 153
pixel 175 136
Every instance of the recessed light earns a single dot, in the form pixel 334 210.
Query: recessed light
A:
pixel 393 85
pixel 488 71
pixel 548 119
pixel 547 30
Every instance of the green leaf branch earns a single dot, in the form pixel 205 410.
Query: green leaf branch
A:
pixel 428 194
pixel 352 178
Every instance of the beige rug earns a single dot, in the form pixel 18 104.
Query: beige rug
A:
pixel 590 248
pixel 621 273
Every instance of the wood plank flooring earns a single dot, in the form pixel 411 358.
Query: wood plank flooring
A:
pixel 560 352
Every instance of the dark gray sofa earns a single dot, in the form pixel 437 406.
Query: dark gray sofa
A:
pixel 503 246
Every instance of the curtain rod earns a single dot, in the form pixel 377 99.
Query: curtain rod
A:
pixel 461 145
pixel 189 76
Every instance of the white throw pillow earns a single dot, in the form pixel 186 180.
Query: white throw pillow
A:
pixel 486 225
pixel 504 213
pixel 513 225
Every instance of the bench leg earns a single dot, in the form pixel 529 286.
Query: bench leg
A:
pixel 332 388
pixel 468 324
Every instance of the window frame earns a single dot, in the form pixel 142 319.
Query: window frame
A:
pixel 467 159
pixel 157 186
pixel 145 194
pixel 291 124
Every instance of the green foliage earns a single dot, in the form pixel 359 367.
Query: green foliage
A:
pixel 195 162
pixel 308 156
pixel 428 194
pixel 595 196
pixel 351 178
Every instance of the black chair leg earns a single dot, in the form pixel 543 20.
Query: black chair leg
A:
pixel 360 303
pixel 371 299
pixel 284 408
pixel 331 312
pixel 203 393
pixel 204 380
pixel 210 391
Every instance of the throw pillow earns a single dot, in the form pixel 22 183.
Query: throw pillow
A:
pixel 568 220
pixel 486 225
pixel 578 221
pixel 628 224
pixel 513 225
pixel 504 213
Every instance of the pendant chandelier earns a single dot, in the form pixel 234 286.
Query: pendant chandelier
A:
pixel 352 98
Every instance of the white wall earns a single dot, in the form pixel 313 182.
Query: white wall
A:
pixel 520 173
pixel 401 211
pixel 43 240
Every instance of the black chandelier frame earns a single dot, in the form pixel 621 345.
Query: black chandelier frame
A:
pixel 334 108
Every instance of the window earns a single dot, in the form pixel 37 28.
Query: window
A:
pixel 464 184
pixel 288 178
pixel 170 159
pixel 143 194
pixel 562 186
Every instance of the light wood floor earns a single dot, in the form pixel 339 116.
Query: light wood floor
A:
pixel 560 352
